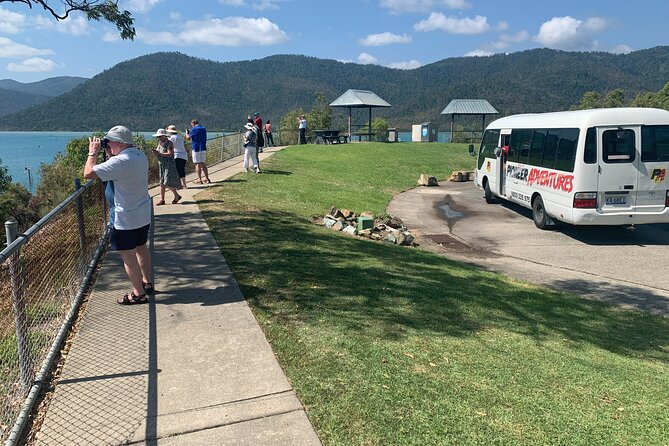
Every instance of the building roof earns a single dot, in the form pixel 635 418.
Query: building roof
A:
pixel 359 98
pixel 469 107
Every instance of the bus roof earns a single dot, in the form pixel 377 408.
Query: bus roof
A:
pixel 584 118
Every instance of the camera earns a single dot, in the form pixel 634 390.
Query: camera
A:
pixel 104 143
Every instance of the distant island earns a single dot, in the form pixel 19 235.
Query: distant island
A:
pixel 143 94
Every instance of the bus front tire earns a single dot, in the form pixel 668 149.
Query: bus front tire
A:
pixel 539 213
pixel 489 197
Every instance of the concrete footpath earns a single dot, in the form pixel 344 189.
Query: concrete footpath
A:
pixel 192 367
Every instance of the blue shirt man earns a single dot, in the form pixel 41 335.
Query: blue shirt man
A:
pixel 198 137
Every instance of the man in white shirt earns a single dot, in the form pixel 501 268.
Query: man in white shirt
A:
pixel 180 154
pixel 128 169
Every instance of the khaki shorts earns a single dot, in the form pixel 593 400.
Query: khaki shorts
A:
pixel 200 157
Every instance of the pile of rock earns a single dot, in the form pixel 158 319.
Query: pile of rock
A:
pixel 388 229
pixel 462 175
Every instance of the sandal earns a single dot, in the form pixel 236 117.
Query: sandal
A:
pixel 131 299
pixel 148 287
pixel 198 182
pixel 176 200
pixel 160 203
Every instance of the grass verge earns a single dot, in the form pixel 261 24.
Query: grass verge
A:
pixel 388 345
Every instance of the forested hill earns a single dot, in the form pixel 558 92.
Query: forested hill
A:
pixel 154 90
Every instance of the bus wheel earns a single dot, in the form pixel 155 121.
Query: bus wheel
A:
pixel 539 213
pixel 489 197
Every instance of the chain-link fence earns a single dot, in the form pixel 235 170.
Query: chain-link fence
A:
pixel 41 278
pixel 43 275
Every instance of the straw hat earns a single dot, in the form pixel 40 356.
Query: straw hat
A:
pixel 249 126
pixel 171 129
pixel 159 133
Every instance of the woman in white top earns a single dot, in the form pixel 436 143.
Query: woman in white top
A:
pixel 180 154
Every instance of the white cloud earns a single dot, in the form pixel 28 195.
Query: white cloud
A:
pixel 32 65
pixel 384 39
pixel 365 58
pixel 400 6
pixel 13 50
pixel 111 36
pixel 11 22
pixel 264 5
pixel 621 49
pixel 454 25
pixel 73 25
pixel 140 6
pixel 478 53
pixel 568 33
pixel 409 65
pixel 231 31
pixel 520 36
pixel 175 16
pixel 502 26
pixel 236 3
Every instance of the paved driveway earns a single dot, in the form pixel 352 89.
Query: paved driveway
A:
pixel 624 265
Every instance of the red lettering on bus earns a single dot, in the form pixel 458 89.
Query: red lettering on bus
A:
pixel 552 180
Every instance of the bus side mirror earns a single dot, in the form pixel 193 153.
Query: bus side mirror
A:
pixel 471 150
pixel 498 151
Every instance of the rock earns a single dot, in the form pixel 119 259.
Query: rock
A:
pixel 367 214
pixel 328 221
pixel 427 180
pixel 350 230
pixel 395 222
pixel 338 226
pixel 346 213
pixel 405 238
pixel 390 238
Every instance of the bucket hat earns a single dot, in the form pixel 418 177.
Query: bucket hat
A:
pixel 120 133
pixel 160 132
pixel 171 129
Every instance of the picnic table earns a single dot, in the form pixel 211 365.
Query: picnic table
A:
pixel 330 137
pixel 369 135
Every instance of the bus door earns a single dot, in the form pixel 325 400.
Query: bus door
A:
pixel 502 160
pixel 619 165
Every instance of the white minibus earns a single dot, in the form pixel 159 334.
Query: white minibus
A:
pixel 587 167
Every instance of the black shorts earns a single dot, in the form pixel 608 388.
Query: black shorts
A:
pixel 181 166
pixel 122 239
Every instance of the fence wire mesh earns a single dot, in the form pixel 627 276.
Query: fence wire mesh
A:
pixel 39 283
pixel 41 280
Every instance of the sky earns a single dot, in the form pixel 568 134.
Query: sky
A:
pixel 402 34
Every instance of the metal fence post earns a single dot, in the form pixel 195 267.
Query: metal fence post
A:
pixel 19 305
pixel 80 218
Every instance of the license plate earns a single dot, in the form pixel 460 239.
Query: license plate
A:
pixel 620 199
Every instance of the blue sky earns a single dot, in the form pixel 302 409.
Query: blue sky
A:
pixel 402 34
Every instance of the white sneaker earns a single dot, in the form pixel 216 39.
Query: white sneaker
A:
pixel 256 169
pixel 245 170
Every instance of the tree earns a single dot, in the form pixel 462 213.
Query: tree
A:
pixel 93 9
pixel 590 99
pixel 320 116
pixel 288 128
pixel 614 98
pixel 380 127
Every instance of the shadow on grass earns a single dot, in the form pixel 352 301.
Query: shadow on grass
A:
pixel 293 270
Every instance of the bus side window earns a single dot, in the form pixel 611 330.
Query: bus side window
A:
pixel 590 152
pixel 550 149
pixel 537 147
pixel 655 143
pixel 566 151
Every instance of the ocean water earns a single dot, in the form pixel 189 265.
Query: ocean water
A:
pixel 23 152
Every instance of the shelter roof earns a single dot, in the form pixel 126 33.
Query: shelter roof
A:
pixel 469 107
pixel 359 98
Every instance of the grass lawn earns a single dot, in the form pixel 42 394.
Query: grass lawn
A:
pixel 389 345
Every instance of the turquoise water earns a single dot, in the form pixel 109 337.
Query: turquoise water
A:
pixel 23 152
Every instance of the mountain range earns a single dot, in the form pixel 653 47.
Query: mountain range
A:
pixel 15 96
pixel 162 88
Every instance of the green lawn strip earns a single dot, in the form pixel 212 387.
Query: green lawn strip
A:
pixel 393 345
